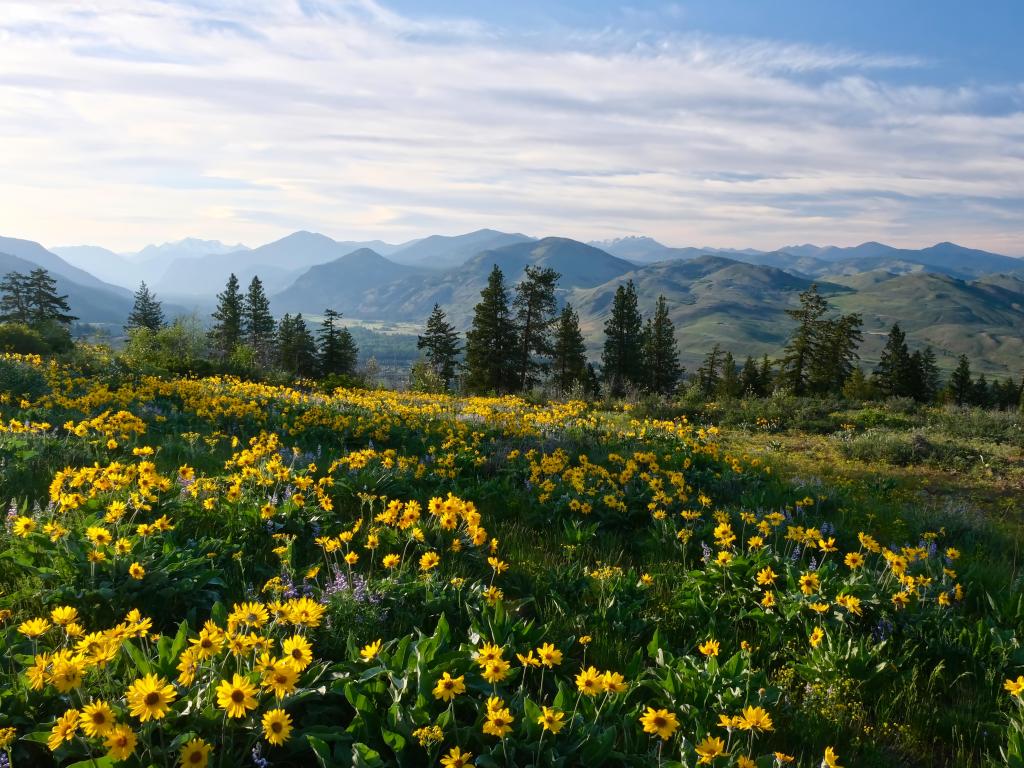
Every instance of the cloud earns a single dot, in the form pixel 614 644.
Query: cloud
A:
pixel 147 120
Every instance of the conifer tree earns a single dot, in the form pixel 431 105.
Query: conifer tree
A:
pixel 337 350
pixel 569 358
pixel 894 375
pixel 622 357
pixel 146 311
pixel 45 304
pixel 766 376
pixel 660 352
pixel 258 326
pixel 926 375
pixel 491 341
pixel 709 374
pixel 835 355
pixel 440 342
pixel 535 317
pixel 803 344
pixel 226 332
pixel 14 299
pixel 729 384
pixel 750 379
pixel 981 395
pixel 296 347
pixel 961 386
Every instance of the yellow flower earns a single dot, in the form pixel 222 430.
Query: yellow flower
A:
pixel 150 697
pixel 831 758
pixel 1015 687
pixel 551 719
pixel 298 651
pixel 136 571
pixel 495 671
pixel 549 655
pixel 766 576
pixel 281 678
pixel 456 758
pixel 854 560
pixel 709 749
pixel 277 726
pixel 369 652
pixel 23 526
pixel 63 730
pixel 659 722
pixel 782 758
pixel 195 754
pixel 590 682
pixel 817 635
pixel 449 687
pixel 709 647
pixel 614 682
pixel 7 735
pixel 97 719
pixel 391 561
pixel 64 615
pixel 236 696
pixel 429 560
pixel 755 719
pixel 34 627
pixel 499 721
pixel 120 742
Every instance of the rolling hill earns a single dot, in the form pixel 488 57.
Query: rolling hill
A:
pixel 444 252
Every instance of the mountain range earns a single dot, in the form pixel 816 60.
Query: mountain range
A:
pixel 959 300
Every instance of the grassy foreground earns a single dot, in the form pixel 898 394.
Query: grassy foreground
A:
pixel 215 572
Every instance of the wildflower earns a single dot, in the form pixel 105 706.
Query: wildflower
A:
pixel 766 576
pixel 298 651
pixel 614 682
pixel 67 671
pixel 428 735
pixel 64 729
pixel 34 627
pixel 495 671
pixel 499 721
pixel 150 697
pixel 659 722
pixel 529 660
pixel 782 758
pixel 492 595
pixel 429 560
pixel 96 719
pixel 277 726
pixel 236 696
pixel 551 720
pixel 709 647
pixel 64 615
pixel 1015 687
pixel 195 754
pixel 854 560
pixel 817 635
pixel 709 749
pixel 23 526
pixel 590 682
pixel 391 561
pixel 369 652
pixel 831 758
pixel 456 758
pixel 281 678
pixel 136 571
pixel 549 655
pixel 449 687
pixel 120 742
pixel 755 719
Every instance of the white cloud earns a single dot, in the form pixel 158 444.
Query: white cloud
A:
pixel 124 122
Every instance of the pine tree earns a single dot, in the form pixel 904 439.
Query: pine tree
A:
pixel 927 374
pixel 729 384
pixel 894 375
pixel 146 311
pixel 440 341
pixel 858 387
pixel 709 373
pixel 835 355
pixel 296 347
pixel 802 346
pixel 766 376
pixel 750 379
pixel 960 383
pixel 491 341
pixel 338 353
pixel 981 395
pixel 660 351
pixel 535 318
pixel 14 299
pixel 226 333
pixel 45 304
pixel 569 359
pixel 622 357
pixel 258 326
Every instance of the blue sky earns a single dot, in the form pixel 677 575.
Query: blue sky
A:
pixel 726 123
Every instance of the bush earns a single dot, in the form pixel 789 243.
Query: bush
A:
pixel 21 339
pixel 22 380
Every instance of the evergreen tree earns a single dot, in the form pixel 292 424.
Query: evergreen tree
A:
pixel 622 357
pixel 981 395
pixel 835 355
pixel 766 376
pixel 337 353
pixel 296 347
pixel 569 361
pixel 14 299
pixel 894 375
pixel 258 327
pixel 750 379
pixel 803 344
pixel 535 307
pixel 927 375
pixel 858 387
pixel 961 386
pixel 729 384
pixel 45 304
pixel 440 341
pixel 491 342
pixel 226 333
pixel 660 351
pixel 709 373
pixel 146 311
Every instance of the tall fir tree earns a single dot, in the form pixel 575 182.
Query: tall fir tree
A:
pixel 440 345
pixel 14 299
pixel 798 356
pixel 337 350
pixel 766 376
pixel 535 317
pixel 226 333
pixel 491 341
pixel 709 374
pixel 569 358
pixel 894 374
pixel 750 379
pixel 729 384
pixel 258 327
pixel 296 347
pixel 146 311
pixel 622 358
pixel 835 354
pixel 661 352
pixel 961 385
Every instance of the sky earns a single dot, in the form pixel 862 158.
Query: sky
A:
pixel 728 123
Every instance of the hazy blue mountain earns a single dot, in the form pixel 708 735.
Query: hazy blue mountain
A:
pixel 105 264
pixel 443 251
pixel 33 252
pixel 647 250
pixel 189 247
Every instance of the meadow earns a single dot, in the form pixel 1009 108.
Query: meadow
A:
pixel 211 571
